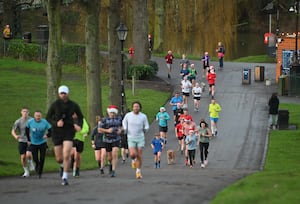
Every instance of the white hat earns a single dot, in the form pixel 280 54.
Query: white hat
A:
pixel 112 109
pixel 162 108
pixel 63 89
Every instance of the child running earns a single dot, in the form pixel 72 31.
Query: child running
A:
pixel 157 145
pixel 191 142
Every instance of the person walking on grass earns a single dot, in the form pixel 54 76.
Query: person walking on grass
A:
pixel 163 117
pixel 204 138
pixel 157 146
pixel 18 132
pixel 78 146
pixel 214 109
pixel 60 116
pixel 111 126
pixel 135 124
pixel 37 131
pixel 191 142
pixel 98 145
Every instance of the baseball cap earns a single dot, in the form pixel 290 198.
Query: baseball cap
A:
pixel 63 89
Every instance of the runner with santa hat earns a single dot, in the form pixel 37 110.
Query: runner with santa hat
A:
pixel 111 126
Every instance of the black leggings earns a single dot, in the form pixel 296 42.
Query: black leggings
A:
pixel 203 148
pixel 192 156
pixel 39 163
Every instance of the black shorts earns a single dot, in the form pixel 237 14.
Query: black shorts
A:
pixel 59 137
pixel 124 142
pixel 23 147
pixel 210 85
pixel 78 145
pixel 197 98
pixel 109 146
pixel 185 94
pixel 163 129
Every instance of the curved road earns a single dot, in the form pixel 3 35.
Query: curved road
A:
pixel 236 152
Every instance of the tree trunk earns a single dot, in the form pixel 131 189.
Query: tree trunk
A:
pixel 140 31
pixel 93 79
pixel 54 67
pixel 114 48
pixel 159 26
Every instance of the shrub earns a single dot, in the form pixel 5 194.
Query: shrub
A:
pixel 143 71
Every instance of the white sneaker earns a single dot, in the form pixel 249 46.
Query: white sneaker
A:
pixel 202 165
pixel 205 162
pixel 31 166
pixel 25 175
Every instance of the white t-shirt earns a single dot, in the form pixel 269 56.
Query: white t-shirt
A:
pixel 135 124
pixel 185 86
pixel 197 91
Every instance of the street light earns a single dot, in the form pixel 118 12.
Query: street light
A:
pixel 122 31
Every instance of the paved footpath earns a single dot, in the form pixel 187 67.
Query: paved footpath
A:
pixel 237 152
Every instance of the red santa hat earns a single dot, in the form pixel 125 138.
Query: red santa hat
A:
pixel 112 109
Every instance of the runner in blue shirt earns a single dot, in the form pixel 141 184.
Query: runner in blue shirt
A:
pixel 37 131
pixel 157 145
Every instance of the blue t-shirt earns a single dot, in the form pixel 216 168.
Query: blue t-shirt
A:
pixel 162 118
pixel 157 144
pixel 37 130
pixel 175 100
pixel 193 144
pixel 185 72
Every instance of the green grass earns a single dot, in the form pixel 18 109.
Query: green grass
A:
pixel 279 182
pixel 256 59
pixel 24 84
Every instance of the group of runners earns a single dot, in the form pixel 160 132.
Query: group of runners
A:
pixel 65 123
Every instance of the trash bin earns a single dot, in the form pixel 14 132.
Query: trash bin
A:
pixel 283 119
pixel 27 37
pixel 282 85
pixel 246 76
pixel 259 73
pixel 42 34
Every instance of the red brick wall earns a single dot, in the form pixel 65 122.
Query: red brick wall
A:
pixel 288 43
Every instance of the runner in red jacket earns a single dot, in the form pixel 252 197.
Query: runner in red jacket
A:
pixel 211 79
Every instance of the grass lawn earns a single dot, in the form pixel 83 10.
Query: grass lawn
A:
pixel 24 84
pixel 279 182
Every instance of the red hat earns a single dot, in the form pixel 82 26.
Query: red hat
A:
pixel 112 109
pixel 191 129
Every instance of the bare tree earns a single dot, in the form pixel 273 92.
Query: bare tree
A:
pixel 93 79
pixel 114 55
pixel 140 31
pixel 54 66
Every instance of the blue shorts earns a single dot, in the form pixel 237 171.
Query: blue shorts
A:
pixel 136 142
pixel 214 119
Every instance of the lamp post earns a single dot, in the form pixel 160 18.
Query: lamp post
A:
pixel 122 31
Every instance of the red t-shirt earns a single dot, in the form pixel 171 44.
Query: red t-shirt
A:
pixel 211 78
pixel 169 58
pixel 179 130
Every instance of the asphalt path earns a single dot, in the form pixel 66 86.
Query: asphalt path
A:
pixel 237 152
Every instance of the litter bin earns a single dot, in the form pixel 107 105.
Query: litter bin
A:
pixel 27 37
pixel 42 34
pixel 246 76
pixel 283 119
pixel 282 85
pixel 259 73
